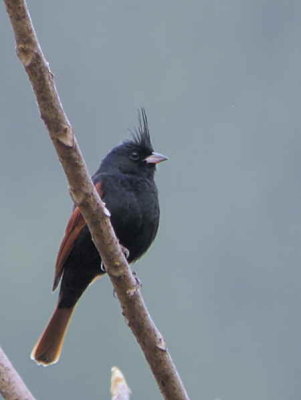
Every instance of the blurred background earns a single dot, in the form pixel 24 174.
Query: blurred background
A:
pixel 220 81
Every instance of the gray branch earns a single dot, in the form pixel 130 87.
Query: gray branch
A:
pixel 12 386
pixel 92 208
pixel 119 387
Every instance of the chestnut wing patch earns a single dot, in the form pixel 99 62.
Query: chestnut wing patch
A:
pixel 75 225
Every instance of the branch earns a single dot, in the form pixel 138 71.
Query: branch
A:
pixel 92 208
pixel 12 386
pixel 119 387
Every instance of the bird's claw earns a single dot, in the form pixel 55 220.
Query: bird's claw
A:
pixel 106 210
pixel 125 251
pixel 137 279
pixel 102 267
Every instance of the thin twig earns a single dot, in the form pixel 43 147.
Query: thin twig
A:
pixel 92 208
pixel 119 387
pixel 12 386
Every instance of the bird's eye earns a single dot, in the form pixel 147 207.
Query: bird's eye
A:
pixel 135 156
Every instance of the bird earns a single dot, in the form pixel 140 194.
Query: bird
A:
pixel 125 182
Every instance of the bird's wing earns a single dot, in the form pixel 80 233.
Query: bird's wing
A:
pixel 75 225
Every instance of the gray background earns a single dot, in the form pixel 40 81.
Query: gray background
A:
pixel 221 84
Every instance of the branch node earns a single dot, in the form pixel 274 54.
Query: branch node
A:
pixel 25 54
pixel 66 136
pixel 161 344
pixel 132 291
pixel 73 195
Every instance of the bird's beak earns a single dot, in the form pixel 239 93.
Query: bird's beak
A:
pixel 155 158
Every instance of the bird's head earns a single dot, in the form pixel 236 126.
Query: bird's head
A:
pixel 135 156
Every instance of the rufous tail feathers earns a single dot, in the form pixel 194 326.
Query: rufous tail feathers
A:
pixel 49 346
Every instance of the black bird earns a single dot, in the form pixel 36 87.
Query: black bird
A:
pixel 125 182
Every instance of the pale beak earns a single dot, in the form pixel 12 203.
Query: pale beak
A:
pixel 155 158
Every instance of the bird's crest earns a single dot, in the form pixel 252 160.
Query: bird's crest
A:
pixel 141 136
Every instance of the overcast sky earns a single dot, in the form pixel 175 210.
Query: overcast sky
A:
pixel 220 81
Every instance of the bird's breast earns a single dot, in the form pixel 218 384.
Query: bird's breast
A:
pixel 134 208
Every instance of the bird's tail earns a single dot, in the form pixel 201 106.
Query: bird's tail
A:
pixel 48 348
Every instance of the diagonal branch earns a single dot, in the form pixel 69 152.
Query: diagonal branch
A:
pixel 12 386
pixel 91 206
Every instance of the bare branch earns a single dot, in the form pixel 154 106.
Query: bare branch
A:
pixel 119 387
pixel 12 386
pixel 91 207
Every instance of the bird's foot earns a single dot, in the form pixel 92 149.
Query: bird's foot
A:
pixel 106 210
pixel 137 279
pixel 136 287
pixel 103 268
pixel 125 251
